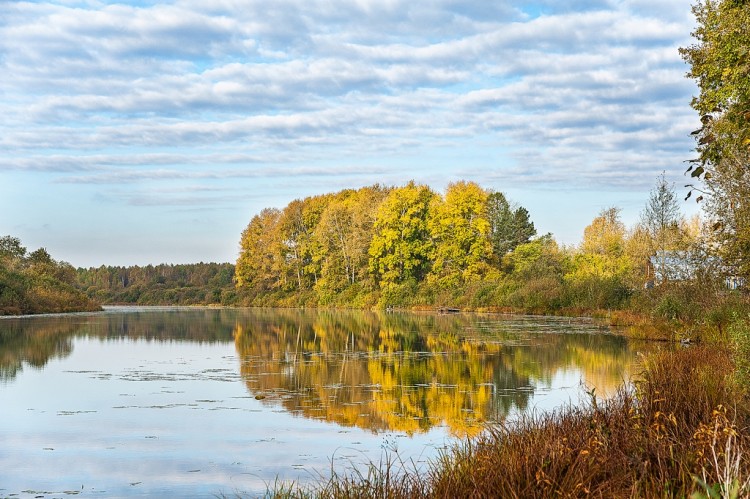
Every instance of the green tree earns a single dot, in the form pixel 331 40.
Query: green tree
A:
pixel 35 283
pixel 12 253
pixel 40 262
pixel 535 274
pixel 720 64
pixel 509 226
pixel 600 270
pixel 535 259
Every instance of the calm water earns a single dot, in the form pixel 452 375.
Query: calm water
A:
pixel 202 402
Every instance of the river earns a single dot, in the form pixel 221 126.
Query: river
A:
pixel 160 401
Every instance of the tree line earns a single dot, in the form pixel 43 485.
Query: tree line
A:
pixel 410 246
pixel 348 246
pixel 164 284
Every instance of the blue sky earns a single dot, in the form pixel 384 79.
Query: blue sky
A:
pixel 138 132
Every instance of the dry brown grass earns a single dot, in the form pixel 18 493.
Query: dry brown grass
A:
pixel 681 430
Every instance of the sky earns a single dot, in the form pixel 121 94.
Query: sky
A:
pixel 137 132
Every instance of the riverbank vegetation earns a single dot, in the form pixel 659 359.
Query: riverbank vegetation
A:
pixel 409 247
pixel 33 283
pixel 681 428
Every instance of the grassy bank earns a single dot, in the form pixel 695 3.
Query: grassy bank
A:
pixel 681 430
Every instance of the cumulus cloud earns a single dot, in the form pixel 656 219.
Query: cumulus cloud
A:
pixel 573 94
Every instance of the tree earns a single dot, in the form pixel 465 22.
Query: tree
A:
pixel 601 268
pixel 401 243
pixel 639 248
pixel 605 234
pixel 602 253
pixel 460 229
pixel 720 64
pixel 334 243
pixel 40 262
pixel 661 220
pixel 540 258
pixel 344 234
pixel 11 251
pixel 295 237
pixel 257 264
pixel 729 209
pixel 509 227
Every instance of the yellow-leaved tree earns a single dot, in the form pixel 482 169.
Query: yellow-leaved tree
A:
pixel 460 228
pixel 258 265
pixel 599 271
pixel 401 243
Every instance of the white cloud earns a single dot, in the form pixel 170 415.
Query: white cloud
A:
pixel 579 94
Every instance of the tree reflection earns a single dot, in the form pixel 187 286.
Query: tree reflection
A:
pixel 34 341
pixel 32 344
pixel 383 372
pixel 410 372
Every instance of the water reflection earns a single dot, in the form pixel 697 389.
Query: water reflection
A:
pixel 34 341
pixel 114 399
pixel 381 372
pixel 33 346
pixel 409 372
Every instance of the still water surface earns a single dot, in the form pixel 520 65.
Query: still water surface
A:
pixel 203 402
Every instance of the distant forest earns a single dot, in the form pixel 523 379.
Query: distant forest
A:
pixel 185 284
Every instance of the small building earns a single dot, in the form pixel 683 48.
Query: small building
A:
pixel 673 266
pixel 686 265
pixel 735 282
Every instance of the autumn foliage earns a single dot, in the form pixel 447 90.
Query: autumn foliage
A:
pixel 411 247
pixel 378 245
